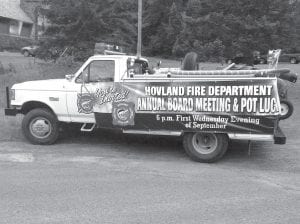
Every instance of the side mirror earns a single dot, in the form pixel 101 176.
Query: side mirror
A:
pixel 82 78
pixel 69 77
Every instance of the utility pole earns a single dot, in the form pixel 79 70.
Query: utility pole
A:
pixel 139 42
pixel 36 20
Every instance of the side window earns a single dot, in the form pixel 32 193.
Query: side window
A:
pixel 101 71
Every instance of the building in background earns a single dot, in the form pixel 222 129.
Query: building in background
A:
pixel 16 27
pixel 13 20
pixel 21 23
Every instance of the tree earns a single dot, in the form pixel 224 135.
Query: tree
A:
pixel 232 26
pixel 295 27
pixel 155 20
pixel 242 26
pixel 212 28
pixel 79 24
pixel 162 23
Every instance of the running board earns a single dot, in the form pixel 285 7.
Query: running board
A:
pixel 279 136
pixel 150 132
pixel 255 137
pixel 85 127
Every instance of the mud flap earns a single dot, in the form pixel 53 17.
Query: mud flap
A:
pixel 279 136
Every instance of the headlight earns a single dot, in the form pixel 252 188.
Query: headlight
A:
pixel 12 94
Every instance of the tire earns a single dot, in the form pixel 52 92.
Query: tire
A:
pixel 287 109
pixel 26 53
pixel 293 61
pixel 190 62
pixel 40 127
pixel 205 147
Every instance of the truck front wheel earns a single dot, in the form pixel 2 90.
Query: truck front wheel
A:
pixel 40 127
pixel 205 147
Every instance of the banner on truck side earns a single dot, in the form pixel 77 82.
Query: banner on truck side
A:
pixel 243 106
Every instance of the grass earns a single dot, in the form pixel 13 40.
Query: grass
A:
pixel 28 70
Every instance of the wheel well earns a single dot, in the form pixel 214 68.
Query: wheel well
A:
pixel 28 106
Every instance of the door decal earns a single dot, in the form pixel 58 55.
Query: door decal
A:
pixel 123 114
pixel 85 102
pixel 101 97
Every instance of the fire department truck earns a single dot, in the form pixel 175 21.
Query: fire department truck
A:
pixel 206 107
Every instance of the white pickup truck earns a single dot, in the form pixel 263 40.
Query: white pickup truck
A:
pixel 117 91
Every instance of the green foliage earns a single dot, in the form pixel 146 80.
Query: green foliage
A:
pixel 294 45
pixel 155 27
pixel 232 26
pixel 171 28
pixel 212 51
pixel 76 25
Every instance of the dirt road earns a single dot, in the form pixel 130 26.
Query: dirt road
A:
pixel 107 177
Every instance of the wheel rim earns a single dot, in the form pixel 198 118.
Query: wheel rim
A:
pixel 40 127
pixel 284 109
pixel 204 143
pixel 293 61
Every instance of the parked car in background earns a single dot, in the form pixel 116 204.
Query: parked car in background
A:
pixel 293 58
pixel 29 50
pixel 241 59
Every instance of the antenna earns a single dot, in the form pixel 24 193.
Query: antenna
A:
pixel 139 42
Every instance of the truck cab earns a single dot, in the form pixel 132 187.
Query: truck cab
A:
pixel 70 99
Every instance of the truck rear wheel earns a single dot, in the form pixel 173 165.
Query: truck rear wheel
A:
pixel 40 127
pixel 286 109
pixel 205 147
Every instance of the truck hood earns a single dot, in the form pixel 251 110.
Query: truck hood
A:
pixel 50 84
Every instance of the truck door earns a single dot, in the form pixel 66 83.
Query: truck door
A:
pixel 82 93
